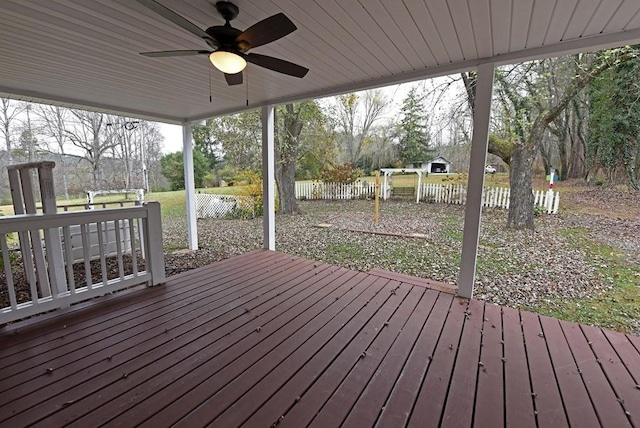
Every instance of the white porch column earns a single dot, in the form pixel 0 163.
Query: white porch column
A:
pixel 475 184
pixel 189 186
pixel 268 179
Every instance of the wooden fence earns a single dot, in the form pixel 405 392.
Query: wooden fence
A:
pixel 493 197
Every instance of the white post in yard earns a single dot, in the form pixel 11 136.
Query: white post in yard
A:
pixel 475 184
pixel 268 179
pixel 189 185
pixel 419 186
pixel 549 205
pixel 385 187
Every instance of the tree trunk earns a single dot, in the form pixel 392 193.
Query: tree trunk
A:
pixel 286 156
pixel 285 179
pixel 521 198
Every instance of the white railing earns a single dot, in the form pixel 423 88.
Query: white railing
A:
pixel 320 190
pixel 52 287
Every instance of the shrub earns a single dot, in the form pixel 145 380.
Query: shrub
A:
pixel 346 174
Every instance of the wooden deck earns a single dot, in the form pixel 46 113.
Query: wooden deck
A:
pixel 267 338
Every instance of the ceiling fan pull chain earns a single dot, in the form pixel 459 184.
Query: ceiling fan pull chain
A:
pixel 210 97
pixel 247 83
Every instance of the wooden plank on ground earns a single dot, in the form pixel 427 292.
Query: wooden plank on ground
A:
pixel 398 408
pixel 429 405
pixel 547 398
pixel 576 400
pixel 377 391
pixel 458 411
pixel 489 406
pixel 623 384
pixel 518 395
pixel 605 402
pixel 423 282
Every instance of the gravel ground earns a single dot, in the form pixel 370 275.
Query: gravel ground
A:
pixel 516 268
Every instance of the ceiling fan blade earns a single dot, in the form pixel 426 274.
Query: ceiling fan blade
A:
pixel 159 54
pixel 175 18
pixel 233 79
pixel 275 64
pixel 265 31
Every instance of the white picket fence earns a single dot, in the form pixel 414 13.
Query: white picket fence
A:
pixel 319 190
pixel 220 206
pixel 493 197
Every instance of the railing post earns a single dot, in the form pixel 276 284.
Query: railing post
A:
pixel 153 233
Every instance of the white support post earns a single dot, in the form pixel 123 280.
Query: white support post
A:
pixel 268 179
pixel 419 187
pixel 189 185
pixel 155 254
pixel 475 184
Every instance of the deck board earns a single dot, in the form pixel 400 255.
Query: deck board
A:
pixel 547 397
pixel 489 406
pixel 267 338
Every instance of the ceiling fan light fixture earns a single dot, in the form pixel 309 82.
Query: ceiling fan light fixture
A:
pixel 227 62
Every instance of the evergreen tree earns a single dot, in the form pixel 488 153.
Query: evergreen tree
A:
pixel 172 167
pixel 412 131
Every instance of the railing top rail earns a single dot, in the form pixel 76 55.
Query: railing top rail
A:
pixel 28 165
pixel 127 201
pixel 25 222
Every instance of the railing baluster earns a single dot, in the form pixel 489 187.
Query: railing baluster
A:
pixel 85 229
pixel 116 225
pixel 132 238
pixel 68 250
pixel 100 228
pixel 7 272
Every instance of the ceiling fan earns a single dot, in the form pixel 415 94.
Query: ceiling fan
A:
pixel 228 45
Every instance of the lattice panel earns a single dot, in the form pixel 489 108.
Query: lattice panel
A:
pixel 224 206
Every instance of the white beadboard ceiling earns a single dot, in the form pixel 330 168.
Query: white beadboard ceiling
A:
pixel 84 53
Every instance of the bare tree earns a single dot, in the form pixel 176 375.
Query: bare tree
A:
pixel 355 114
pixel 11 109
pixel 89 136
pixel 53 126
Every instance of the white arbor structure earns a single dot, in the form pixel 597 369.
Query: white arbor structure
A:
pixel 91 61
pixel 388 172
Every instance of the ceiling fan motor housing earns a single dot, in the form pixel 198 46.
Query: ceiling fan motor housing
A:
pixel 228 10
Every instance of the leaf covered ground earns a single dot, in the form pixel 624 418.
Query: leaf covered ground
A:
pixel 580 265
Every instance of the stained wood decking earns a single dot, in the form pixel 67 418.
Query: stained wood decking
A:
pixel 267 338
